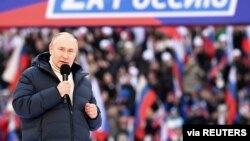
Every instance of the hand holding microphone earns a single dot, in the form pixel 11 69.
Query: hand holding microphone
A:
pixel 64 86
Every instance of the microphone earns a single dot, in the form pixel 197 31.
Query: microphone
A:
pixel 65 71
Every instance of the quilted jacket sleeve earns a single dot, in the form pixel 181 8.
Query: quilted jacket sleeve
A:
pixel 28 103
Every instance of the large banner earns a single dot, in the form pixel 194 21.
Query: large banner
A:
pixel 122 12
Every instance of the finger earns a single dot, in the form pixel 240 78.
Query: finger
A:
pixel 64 82
pixel 87 109
pixel 67 85
pixel 93 106
pixel 90 105
pixel 68 88
pixel 93 109
pixel 87 106
pixel 90 114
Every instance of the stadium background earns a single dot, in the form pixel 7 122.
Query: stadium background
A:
pixel 150 75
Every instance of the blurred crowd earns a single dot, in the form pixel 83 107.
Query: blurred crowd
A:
pixel 148 81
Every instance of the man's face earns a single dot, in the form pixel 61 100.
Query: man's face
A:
pixel 63 50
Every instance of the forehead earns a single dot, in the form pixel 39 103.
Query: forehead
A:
pixel 64 40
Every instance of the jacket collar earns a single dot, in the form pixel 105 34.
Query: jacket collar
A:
pixel 42 62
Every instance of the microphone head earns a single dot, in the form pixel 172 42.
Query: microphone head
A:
pixel 65 69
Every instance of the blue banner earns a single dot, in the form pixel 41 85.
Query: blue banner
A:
pixel 140 8
pixel 123 12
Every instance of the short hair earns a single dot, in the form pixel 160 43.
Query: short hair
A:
pixel 62 34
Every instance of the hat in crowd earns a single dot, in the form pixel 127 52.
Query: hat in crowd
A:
pixel 80 31
pixel 107 30
pixel 148 55
pixel 133 70
pixel 223 37
pixel 129 45
pixel 208 31
pixel 182 30
pixel 104 44
pixel 198 41
pixel 166 56
pixel 125 35
pixel 236 53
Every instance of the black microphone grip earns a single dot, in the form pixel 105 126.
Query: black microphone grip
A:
pixel 65 71
pixel 65 78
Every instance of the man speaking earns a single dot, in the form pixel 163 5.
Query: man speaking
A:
pixel 55 103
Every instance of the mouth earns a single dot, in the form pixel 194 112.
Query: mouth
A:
pixel 63 62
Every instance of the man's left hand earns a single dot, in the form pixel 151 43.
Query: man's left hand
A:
pixel 91 110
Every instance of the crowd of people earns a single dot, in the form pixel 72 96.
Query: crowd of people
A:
pixel 148 81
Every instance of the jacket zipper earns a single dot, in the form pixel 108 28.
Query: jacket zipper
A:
pixel 40 129
pixel 68 102
pixel 71 116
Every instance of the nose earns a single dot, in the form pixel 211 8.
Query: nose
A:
pixel 65 55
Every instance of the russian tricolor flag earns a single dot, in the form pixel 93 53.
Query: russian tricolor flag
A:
pixel 148 98
pixel 18 61
pixel 231 96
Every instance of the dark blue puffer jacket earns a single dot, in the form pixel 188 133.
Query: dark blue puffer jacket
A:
pixel 44 115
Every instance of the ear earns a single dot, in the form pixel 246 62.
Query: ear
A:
pixel 50 48
pixel 77 57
